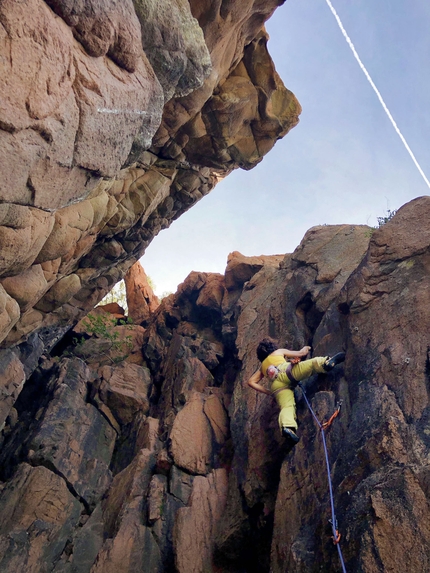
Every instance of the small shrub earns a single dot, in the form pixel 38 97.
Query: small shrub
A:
pixel 382 220
pixel 103 327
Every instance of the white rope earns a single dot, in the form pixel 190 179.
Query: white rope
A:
pixel 366 73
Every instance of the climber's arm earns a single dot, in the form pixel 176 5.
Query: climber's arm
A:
pixel 293 353
pixel 254 383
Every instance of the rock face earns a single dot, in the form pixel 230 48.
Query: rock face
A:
pixel 39 513
pixel 116 118
pixel 139 447
pixel 174 464
pixel 141 300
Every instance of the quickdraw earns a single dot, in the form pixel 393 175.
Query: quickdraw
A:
pixel 337 538
pixel 335 414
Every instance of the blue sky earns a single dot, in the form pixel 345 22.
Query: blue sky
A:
pixel 343 163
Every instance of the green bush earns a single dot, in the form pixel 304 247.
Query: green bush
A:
pixel 104 327
pixel 382 220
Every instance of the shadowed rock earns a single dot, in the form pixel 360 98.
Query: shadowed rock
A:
pixel 38 515
pixel 195 525
pixel 73 438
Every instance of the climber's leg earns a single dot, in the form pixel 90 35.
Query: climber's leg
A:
pixel 287 415
pixel 307 368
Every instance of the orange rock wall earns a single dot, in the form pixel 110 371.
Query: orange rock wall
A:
pixel 117 117
pixel 169 462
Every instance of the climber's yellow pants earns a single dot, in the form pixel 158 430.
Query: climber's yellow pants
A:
pixel 285 396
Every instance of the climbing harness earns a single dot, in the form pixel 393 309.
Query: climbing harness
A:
pixel 289 372
pixel 287 367
pixel 323 426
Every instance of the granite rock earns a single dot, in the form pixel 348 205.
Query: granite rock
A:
pixel 199 478
pixel 118 118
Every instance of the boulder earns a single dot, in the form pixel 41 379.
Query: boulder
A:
pixel 240 268
pixel 113 308
pixel 191 437
pixel 125 389
pixel 106 342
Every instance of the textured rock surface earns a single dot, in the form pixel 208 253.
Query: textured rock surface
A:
pixel 12 377
pixel 39 514
pixel 130 545
pixel 156 456
pixel 141 300
pixel 54 90
pixel 71 437
pixel 116 118
pixel 191 437
pixel 125 390
pixel 106 338
pixel 176 465
pixel 195 525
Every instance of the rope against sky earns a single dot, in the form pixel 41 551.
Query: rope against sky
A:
pixel 366 73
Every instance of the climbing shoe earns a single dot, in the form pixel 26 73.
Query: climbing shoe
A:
pixel 290 435
pixel 330 363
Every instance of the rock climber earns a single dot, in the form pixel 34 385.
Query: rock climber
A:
pixel 284 368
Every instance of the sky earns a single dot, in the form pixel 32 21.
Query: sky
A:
pixel 343 163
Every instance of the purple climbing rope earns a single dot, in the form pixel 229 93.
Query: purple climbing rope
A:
pixel 336 535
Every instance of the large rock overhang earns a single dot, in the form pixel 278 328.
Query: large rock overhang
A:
pixel 112 125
